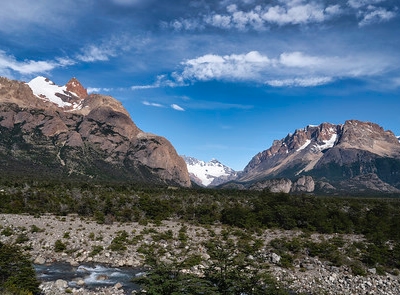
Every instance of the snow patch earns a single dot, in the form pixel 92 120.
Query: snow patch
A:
pixel 46 90
pixel 328 143
pixel 304 145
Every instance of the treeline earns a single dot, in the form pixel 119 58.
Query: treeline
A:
pixel 378 219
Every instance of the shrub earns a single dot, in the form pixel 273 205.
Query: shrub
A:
pixel 36 229
pixel 59 246
pixel 96 250
pixel 7 232
pixel 22 238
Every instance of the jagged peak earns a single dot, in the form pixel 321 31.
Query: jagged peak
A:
pixel 75 86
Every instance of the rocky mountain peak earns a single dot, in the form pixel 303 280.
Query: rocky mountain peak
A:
pixel 333 153
pixel 76 87
pixel 370 137
pixel 60 131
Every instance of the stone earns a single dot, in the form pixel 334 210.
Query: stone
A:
pixel 40 260
pixel 102 277
pixel 372 270
pixel 275 258
pixel 61 284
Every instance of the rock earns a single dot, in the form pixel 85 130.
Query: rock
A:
pixel 372 270
pixel 118 286
pixel 275 258
pixel 40 260
pixel 282 185
pixel 305 184
pixel 102 277
pixel 61 284
pixel 76 87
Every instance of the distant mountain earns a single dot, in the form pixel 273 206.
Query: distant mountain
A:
pixel 210 173
pixel 53 132
pixel 356 157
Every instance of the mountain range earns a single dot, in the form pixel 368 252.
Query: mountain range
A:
pixel 58 132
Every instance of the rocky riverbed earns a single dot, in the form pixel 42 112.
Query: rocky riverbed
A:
pixel 77 241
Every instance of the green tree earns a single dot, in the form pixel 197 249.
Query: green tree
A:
pixel 238 270
pixel 17 275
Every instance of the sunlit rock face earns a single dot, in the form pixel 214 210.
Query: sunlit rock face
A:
pixel 334 156
pixel 62 131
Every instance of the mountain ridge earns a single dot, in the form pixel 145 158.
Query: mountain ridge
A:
pixel 62 131
pixel 334 156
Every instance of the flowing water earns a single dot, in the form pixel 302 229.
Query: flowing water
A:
pixel 94 275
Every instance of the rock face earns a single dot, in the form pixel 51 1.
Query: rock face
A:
pixel 356 157
pixel 52 131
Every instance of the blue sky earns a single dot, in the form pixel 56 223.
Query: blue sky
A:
pixel 219 79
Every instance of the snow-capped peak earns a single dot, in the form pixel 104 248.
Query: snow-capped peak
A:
pixel 208 173
pixel 47 90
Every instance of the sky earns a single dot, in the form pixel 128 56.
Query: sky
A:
pixel 220 79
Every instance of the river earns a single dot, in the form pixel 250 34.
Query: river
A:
pixel 93 275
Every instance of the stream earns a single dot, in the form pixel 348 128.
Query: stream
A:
pixel 94 275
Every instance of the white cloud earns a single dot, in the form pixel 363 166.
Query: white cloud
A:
pixel 300 82
pixel 162 81
pixel 93 53
pixel 111 47
pixel 288 69
pixel 9 62
pixel 153 104
pixel 376 15
pixel 140 87
pixel 296 14
pixel 21 15
pixel 235 66
pixel 370 13
pixel 300 60
pixel 283 12
pixel 177 107
pixel 362 3
pixel 98 89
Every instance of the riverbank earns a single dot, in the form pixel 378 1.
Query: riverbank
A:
pixel 76 241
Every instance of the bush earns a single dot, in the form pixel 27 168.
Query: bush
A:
pixel 59 246
pixel 22 238
pixel 96 250
pixel 7 232
pixel 36 229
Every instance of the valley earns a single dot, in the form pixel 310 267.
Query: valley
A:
pixel 302 243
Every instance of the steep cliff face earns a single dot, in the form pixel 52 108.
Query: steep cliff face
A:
pixel 63 131
pixel 333 155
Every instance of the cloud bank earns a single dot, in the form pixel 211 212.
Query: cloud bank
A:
pixel 282 13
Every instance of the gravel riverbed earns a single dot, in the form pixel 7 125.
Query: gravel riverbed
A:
pixel 88 242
